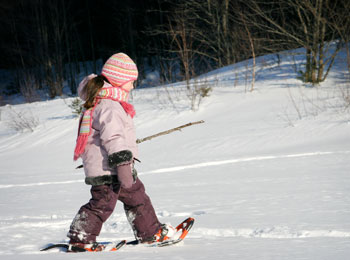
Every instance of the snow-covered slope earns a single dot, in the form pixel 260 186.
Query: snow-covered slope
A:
pixel 266 176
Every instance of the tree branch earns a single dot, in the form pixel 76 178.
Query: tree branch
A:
pixel 168 131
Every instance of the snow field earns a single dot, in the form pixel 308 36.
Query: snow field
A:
pixel 261 182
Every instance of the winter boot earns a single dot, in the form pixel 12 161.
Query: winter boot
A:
pixel 165 232
pixel 81 247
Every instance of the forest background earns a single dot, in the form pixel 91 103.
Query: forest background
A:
pixel 46 44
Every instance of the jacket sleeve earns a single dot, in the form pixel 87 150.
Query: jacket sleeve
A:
pixel 112 131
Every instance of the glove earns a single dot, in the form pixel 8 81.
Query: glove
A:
pixel 123 162
pixel 126 175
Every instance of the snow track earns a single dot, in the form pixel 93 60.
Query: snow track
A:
pixel 192 166
pixel 242 160
pixel 55 223
pixel 277 232
pixel 5 186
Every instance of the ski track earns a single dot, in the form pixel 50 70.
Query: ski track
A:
pixel 249 159
pixel 273 232
pixel 276 232
pixel 185 167
pixel 38 184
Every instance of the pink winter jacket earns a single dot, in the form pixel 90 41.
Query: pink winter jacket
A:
pixel 112 131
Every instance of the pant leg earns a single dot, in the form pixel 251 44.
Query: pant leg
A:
pixel 139 211
pixel 88 222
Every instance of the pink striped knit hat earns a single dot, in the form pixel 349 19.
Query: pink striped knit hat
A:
pixel 119 69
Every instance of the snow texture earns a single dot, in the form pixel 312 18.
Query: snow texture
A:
pixel 266 176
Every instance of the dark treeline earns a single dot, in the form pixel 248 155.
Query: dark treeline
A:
pixel 46 41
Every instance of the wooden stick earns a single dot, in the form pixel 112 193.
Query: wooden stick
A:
pixel 162 133
pixel 168 131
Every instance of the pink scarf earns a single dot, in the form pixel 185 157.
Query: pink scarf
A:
pixel 114 93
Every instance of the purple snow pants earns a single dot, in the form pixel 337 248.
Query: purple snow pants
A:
pixel 140 213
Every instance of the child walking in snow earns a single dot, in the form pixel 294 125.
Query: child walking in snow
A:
pixel 107 145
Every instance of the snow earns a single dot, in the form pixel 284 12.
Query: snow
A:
pixel 266 176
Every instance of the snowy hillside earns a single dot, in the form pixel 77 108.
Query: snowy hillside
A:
pixel 266 176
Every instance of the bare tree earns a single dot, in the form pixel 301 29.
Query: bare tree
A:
pixel 308 26
pixel 181 34
pixel 341 24
pixel 251 42
pixel 215 30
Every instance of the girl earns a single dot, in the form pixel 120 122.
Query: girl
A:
pixel 107 145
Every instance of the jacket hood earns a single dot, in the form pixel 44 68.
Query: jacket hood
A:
pixel 82 85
